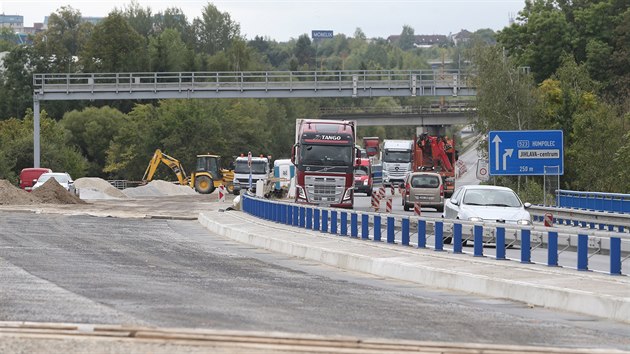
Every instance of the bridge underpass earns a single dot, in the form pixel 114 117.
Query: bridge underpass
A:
pixel 273 84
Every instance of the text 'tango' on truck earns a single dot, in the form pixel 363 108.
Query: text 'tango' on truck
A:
pixel 324 156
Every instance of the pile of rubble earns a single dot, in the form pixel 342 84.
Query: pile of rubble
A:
pixel 158 188
pixel 50 192
pixel 97 188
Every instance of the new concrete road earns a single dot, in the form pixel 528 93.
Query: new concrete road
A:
pixel 175 273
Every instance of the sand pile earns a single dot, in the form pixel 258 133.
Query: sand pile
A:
pixel 53 193
pixel 159 188
pixel 97 188
pixel 12 195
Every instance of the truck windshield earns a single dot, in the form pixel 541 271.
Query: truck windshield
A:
pixel 326 155
pixel 397 156
pixel 258 167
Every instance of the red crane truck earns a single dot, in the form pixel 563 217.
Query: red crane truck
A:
pixel 436 153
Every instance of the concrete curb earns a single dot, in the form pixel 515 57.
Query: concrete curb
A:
pixel 533 286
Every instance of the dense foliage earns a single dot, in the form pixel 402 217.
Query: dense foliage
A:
pixel 561 65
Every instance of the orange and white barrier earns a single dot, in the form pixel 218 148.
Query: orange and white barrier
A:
pixel 388 205
pixel 222 193
pixel 417 209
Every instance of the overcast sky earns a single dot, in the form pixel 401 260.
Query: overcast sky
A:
pixel 285 19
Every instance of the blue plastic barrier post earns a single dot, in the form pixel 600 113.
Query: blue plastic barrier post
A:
pixel 302 217
pixel 526 252
pixel 365 226
pixel 457 238
pixel 268 210
pixel 552 249
pixel 500 243
pixel 333 222
pixel 615 255
pixel 405 232
pixel 439 236
pixel 390 230
pixel 377 228
pixel 422 234
pixel 582 252
pixel 324 220
pixel 316 223
pixel 344 223
pixel 289 215
pixel 478 239
pixel 283 213
pixel 354 225
pixel 309 218
pixel 296 215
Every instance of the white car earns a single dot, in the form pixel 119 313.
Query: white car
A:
pixel 63 178
pixel 487 204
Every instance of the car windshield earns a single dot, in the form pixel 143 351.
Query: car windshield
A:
pixel 326 155
pixel 397 156
pixel 425 181
pixel 60 178
pixel 258 167
pixel 490 197
pixel 360 171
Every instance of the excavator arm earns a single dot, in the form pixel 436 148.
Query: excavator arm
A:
pixel 171 162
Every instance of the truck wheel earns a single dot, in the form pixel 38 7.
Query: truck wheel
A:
pixel 406 206
pixel 204 185
pixel 236 192
pixel 229 187
pixel 369 192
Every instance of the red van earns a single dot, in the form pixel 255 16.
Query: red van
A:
pixel 363 176
pixel 29 176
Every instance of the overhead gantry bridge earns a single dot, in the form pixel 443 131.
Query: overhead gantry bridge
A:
pixel 255 84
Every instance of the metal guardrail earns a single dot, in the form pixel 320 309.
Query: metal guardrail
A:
pixel 595 220
pixel 612 202
pixel 124 184
pixel 457 107
pixel 57 86
pixel 370 227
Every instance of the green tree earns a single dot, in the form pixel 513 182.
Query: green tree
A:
pixel 19 65
pixel 304 51
pixel 140 19
pixel 407 38
pixel 168 52
pixel 505 94
pixel 215 30
pixel 63 40
pixel 92 130
pixel 115 47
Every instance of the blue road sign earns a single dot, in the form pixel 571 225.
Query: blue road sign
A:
pixel 317 34
pixel 526 152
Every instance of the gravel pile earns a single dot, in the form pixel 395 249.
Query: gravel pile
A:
pixel 97 188
pixel 159 188
pixel 50 192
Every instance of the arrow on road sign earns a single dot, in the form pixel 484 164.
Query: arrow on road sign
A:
pixel 508 152
pixel 496 142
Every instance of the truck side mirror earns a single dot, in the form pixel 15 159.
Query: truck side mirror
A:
pixel 293 153
pixel 358 153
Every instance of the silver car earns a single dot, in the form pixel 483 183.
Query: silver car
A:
pixel 487 203
pixel 424 188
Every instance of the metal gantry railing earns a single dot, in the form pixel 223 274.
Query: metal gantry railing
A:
pixel 387 227
pixel 250 84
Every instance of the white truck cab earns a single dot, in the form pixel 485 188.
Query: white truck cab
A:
pixel 396 157
pixel 259 171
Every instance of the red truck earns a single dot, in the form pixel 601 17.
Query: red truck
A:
pixel 372 146
pixel 363 181
pixel 436 153
pixel 324 156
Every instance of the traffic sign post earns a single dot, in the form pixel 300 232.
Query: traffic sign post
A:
pixel 249 164
pixel 525 152
pixel 482 170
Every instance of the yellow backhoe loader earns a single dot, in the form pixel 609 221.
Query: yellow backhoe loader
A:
pixel 207 176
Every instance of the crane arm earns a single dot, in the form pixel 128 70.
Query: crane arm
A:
pixel 171 162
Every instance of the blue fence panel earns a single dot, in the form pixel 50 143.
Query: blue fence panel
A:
pixel 604 202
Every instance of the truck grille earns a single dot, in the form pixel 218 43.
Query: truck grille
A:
pixel 325 190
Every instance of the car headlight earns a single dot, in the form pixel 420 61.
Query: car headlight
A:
pixel 524 222
pixel 475 219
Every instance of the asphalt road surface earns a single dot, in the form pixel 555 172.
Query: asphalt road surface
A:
pixel 174 273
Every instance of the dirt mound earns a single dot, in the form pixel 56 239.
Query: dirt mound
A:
pixel 12 195
pixel 51 192
pixel 97 188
